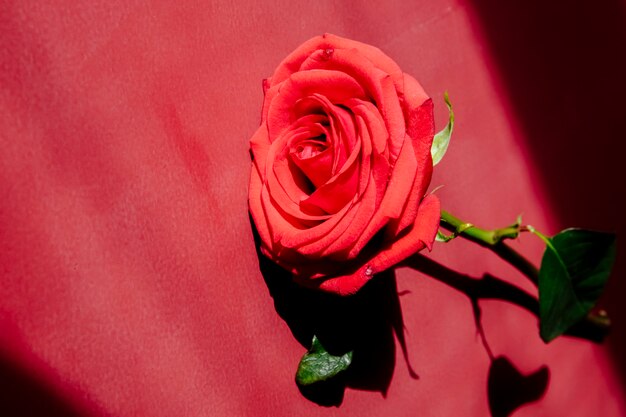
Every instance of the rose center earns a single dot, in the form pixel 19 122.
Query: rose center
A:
pixel 312 147
pixel 313 159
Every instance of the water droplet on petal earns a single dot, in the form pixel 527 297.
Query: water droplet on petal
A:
pixel 327 54
pixel 369 271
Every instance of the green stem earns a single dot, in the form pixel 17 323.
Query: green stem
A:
pixel 593 326
pixel 481 236
pixel 493 240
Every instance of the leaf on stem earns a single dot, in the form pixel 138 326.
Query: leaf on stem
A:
pixel 441 237
pixel 442 139
pixel 318 365
pixel 574 270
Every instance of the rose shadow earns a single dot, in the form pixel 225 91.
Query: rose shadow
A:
pixel 364 323
pixel 361 323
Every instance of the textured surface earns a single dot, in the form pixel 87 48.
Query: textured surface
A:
pixel 129 281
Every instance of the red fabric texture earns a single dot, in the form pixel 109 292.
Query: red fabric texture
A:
pixel 129 280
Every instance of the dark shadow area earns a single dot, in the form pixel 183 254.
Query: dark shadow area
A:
pixel 508 389
pixel 364 323
pixel 361 323
pixel 24 395
pixel 562 65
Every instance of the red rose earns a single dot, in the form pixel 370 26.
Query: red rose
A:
pixel 342 164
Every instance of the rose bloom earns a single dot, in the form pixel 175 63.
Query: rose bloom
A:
pixel 341 165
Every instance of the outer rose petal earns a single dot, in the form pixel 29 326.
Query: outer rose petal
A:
pixel 413 96
pixel 294 60
pixel 256 209
pixel 421 235
pixel 422 134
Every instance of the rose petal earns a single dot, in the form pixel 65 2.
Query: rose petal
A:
pixel 294 60
pixel 287 194
pixel 382 87
pixel 255 206
pixel 411 98
pixel 398 188
pixel 394 118
pixel 375 55
pixel 339 190
pixel 334 85
pixel 353 63
pixel 318 167
pixel 421 235
pixel 373 121
pixel 342 134
pixel 315 249
pixel 294 238
pixel 374 190
pixel 422 136
pixel 259 146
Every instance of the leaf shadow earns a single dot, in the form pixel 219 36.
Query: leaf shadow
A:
pixel 364 323
pixel 508 389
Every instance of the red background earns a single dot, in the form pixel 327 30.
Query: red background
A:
pixel 130 285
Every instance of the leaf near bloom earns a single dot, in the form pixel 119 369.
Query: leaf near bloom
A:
pixel 318 365
pixel 442 139
pixel 441 237
pixel 574 270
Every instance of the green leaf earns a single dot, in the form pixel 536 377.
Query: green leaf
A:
pixel 319 365
pixel 442 139
pixel 574 270
pixel 443 238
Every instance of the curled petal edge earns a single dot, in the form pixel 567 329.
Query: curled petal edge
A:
pixel 420 236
